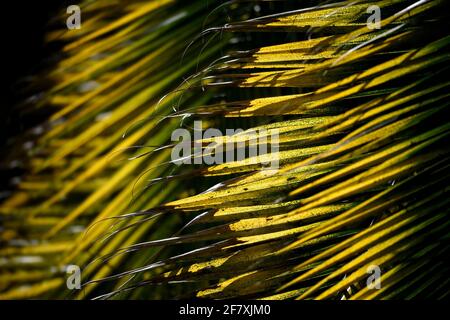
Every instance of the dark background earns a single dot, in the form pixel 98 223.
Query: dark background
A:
pixel 23 24
pixel 23 53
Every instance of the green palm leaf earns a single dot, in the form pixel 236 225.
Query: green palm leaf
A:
pixel 363 156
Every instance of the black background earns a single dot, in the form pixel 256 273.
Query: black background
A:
pixel 22 27
pixel 151 310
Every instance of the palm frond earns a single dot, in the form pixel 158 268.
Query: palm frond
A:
pixel 363 155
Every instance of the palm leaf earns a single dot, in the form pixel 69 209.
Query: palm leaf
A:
pixel 363 157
